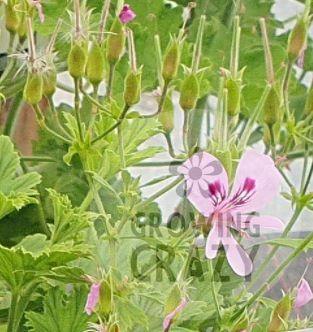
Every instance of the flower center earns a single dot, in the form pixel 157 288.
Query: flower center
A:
pixel 195 173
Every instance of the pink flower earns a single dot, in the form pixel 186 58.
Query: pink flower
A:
pixel 37 4
pixel 93 298
pixel 256 183
pixel 304 294
pixel 127 14
pixel 167 322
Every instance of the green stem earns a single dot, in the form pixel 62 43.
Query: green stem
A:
pixel 171 150
pixel 160 192
pixel 38 159
pixel 186 130
pixel 159 163
pixel 161 103
pixel 273 145
pixel 121 146
pixel 305 165
pixel 285 88
pixel 96 103
pixel 110 82
pixel 308 180
pixel 213 289
pixel 77 110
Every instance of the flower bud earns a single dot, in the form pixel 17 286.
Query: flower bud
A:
pixel 271 108
pixel 166 117
pixel 95 64
pixel 116 42
pixel 233 100
pixel 280 314
pixel 171 61
pixel 77 60
pixel 189 93
pixel 49 82
pixel 132 88
pixel 33 88
pixel 12 19
pixel 106 298
pixel 297 39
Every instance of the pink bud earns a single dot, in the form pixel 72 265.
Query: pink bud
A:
pixel 304 294
pixel 127 14
pixel 167 322
pixel 92 299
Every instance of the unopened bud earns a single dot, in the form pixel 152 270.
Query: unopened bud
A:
pixel 297 39
pixel 49 82
pixel 189 93
pixel 77 60
pixel 116 42
pixel 95 64
pixel 166 117
pixel 233 100
pixel 12 18
pixel 33 88
pixel 271 108
pixel 106 300
pixel 132 88
pixel 171 61
pixel 280 314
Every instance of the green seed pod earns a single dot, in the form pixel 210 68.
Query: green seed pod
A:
pixel 106 298
pixel 22 29
pixel 233 101
pixel 280 314
pixel 297 39
pixel 171 61
pixel 173 299
pixel 309 103
pixel 33 88
pixel 116 42
pixel 95 64
pixel 12 18
pixel 166 117
pixel 49 82
pixel 132 88
pixel 77 60
pixel 189 93
pixel 271 108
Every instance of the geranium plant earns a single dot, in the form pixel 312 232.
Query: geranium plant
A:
pixel 83 247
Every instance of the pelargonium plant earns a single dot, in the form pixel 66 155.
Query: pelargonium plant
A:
pixel 143 146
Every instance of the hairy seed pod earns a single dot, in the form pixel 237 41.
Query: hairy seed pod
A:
pixel 12 18
pixel 171 61
pixel 33 88
pixel 280 314
pixel 132 88
pixel 77 59
pixel 95 64
pixel 233 101
pixel 173 299
pixel 116 42
pixel 166 117
pixel 189 93
pixel 114 328
pixel 106 300
pixel 271 108
pixel 49 82
pixel 22 29
pixel 297 39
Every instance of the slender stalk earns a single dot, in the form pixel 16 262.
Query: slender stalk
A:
pixel 13 115
pixel 95 102
pixel 273 144
pixel 31 41
pixel 158 53
pixel 121 146
pixel 38 159
pixel 161 103
pixel 160 192
pixel 308 180
pixel 305 165
pixel 103 20
pixel 234 57
pixel 171 150
pixel 94 108
pixel 77 110
pixel 159 163
pixel 198 46
pixel 268 54
pixel 214 292
pixel 186 130
pixel 285 88
pixel 110 82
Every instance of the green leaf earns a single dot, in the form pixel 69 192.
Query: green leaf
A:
pixel 290 243
pixel 15 191
pixel 61 312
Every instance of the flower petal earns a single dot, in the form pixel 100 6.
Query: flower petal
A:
pixel 237 258
pixel 257 171
pixel 169 318
pixel 92 299
pixel 213 241
pixel 253 223
pixel 198 181
pixel 304 294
